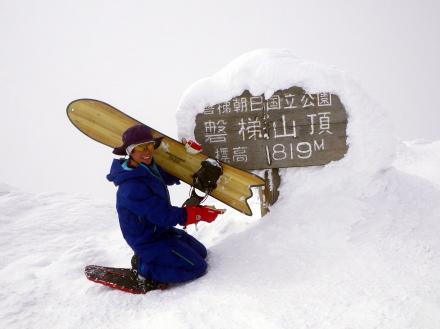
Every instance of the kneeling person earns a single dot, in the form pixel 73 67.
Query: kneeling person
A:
pixel 164 254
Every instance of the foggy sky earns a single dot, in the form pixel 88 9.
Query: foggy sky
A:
pixel 140 56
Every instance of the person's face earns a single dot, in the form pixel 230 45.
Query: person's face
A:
pixel 143 153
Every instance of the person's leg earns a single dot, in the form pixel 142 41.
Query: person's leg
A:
pixel 177 263
pixel 193 243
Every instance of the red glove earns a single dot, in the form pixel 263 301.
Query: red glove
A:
pixel 197 214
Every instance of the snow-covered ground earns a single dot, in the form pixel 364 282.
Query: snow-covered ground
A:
pixel 339 258
pixel 353 244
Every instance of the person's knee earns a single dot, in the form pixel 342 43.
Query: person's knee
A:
pixel 196 245
pixel 201 268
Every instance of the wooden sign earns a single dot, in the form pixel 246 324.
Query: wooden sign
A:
pixel 290 129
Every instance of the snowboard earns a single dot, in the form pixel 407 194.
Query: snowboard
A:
pixel 106 124
pixel 123 279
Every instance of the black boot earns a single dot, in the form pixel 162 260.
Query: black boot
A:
pixel 145 283
pixel 148 284
pixel 135 263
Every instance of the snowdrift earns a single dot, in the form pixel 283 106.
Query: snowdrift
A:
pixel 353 244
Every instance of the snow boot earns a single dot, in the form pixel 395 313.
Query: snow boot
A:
pixel 146 283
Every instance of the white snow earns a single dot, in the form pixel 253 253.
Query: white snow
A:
pixel 370 136
pixel 420 158
pixel 354 244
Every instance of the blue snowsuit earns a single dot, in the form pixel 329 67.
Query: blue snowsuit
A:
pixel 147 220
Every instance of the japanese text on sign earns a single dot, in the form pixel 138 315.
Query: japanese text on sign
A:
pixel 291 128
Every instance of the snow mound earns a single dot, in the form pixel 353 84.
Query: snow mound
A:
pixel 420 158
pixel 370 137
pixel 328 259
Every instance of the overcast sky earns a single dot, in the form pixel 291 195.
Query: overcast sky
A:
pixel 141 56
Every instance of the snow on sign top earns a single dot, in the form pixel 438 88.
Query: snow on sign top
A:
pixel 369 136
pixel 292 128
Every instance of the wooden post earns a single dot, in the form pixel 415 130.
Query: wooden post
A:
pixel 269 193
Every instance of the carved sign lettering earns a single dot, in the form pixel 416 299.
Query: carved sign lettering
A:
pixel 290 129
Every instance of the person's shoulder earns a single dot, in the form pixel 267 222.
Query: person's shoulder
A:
pixel 135 185
pixel 163 172
pixel 131 189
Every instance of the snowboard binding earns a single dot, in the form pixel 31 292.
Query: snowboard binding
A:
pixel 205 179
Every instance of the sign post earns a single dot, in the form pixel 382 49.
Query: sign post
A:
pixel 290 129
pixel 269 192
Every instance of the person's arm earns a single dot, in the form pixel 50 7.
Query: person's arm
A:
pixel 144 203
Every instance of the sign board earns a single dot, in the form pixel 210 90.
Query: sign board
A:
pixel 290 129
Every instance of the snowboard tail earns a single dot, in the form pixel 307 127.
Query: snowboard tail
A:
pixel 105 124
